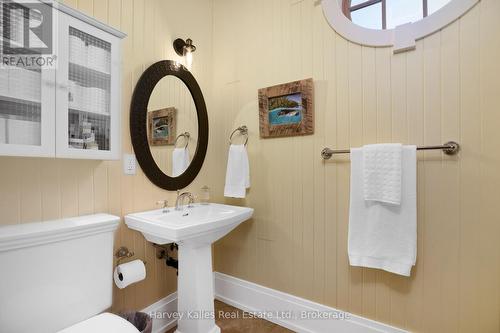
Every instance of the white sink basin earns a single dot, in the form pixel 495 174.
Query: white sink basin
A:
pixel 201 223
pixel 194 230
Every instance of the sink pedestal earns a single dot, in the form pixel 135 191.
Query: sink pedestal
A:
pixel 195 289
pixel 194 229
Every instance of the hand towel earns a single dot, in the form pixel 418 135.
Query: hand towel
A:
pixel 382 173
pixel 180 161
pixel 382 235
pixel 237 173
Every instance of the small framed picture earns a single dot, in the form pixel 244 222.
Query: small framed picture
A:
pixel 162 127
pixel 287 109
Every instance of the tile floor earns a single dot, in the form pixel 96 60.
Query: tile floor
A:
pixel 241 325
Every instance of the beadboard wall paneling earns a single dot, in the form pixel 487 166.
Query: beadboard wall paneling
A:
pixel 447 89
pixel 36 189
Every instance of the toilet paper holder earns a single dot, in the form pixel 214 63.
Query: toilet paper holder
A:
pixel 124 253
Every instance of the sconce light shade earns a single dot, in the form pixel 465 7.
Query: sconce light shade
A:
pixel 181 46
pixel 185 49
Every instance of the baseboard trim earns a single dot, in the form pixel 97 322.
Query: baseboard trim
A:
pixel 252 297
pixel 163 313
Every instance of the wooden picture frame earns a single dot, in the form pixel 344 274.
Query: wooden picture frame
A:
pixel 162 125
pixel 287 109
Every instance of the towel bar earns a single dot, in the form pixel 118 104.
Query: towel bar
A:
pixel 449 148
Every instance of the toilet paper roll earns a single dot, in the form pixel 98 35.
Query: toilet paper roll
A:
pixel 131 272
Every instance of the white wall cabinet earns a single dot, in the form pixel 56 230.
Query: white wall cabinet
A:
pixel 72 111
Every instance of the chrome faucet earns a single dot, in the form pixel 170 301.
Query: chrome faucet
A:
pixel 180 200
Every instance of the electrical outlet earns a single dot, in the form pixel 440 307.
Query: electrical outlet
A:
pixel 129 164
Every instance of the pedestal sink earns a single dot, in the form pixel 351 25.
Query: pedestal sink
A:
pixel 194 229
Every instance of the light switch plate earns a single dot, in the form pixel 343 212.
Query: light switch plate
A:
pixel 129 164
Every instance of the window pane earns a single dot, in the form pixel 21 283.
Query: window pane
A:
pixel 357 2
pixel 368 17
pixel 353 2
pixel 435 5
pixel 401 12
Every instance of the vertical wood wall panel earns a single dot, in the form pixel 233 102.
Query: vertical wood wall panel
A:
pixel 489 226
pixel 355 139
pixel 450 203
pixel 343 129
pixel 414 108
pixel 369 100
pixel 51 188
pixel 319 239
pixel 399 132
pixel 444 90
pixel 330 132
pixel 384 134
pixel 434 186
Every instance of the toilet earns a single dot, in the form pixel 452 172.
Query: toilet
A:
pixel 56 276
pixel 105 322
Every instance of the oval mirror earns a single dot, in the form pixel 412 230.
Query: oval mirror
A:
pixel 169 125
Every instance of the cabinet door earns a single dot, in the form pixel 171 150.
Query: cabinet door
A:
pixel 27 104
pixel 88 94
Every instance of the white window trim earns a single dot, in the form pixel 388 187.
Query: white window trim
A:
pixel 403 37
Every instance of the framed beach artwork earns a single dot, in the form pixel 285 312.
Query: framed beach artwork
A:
pixel 287 109
pixel 162 127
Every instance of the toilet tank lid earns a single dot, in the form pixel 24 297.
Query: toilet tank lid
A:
pixel 103 323
pixel 34 234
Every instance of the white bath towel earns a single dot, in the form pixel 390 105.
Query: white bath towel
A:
pixel 382 172
pixel 382 235
pixel 237 173
pixel 180 161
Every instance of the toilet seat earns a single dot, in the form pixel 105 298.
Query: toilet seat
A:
pixel 103 323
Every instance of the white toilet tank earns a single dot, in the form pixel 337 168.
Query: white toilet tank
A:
pixel 54 274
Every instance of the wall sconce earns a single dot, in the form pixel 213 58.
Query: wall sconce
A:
pixel 185 49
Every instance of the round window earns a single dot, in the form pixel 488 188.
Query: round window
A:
pixel 388 14
pixel 392 22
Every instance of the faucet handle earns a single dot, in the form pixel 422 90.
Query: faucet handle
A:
pixel 192 200
pixel 164 203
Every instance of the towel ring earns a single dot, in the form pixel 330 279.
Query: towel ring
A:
pixel 243 131
pixel 186 136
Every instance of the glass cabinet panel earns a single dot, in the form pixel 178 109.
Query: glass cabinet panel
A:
pixel 88 93
pixel 89 86
pixel 26 94
pixel 20 106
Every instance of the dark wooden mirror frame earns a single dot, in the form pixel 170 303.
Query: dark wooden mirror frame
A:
pixel 138 128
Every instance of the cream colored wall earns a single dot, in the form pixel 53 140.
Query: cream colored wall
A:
pixel 34 189
pixel 448 89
